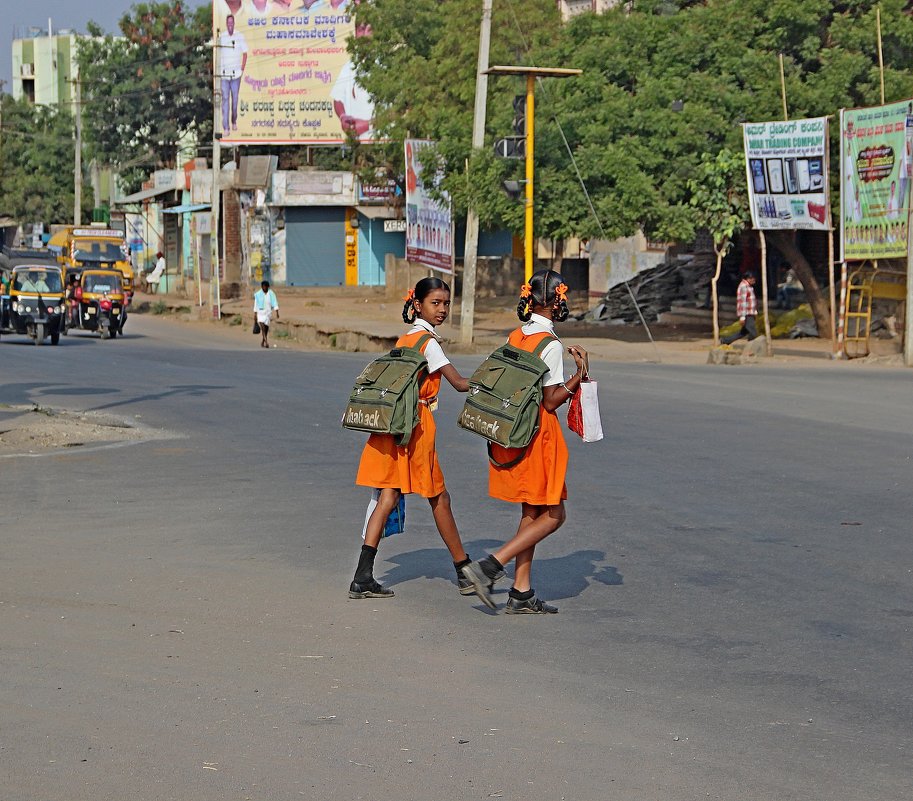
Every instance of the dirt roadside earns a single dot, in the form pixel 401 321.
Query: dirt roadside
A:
pixel 363 319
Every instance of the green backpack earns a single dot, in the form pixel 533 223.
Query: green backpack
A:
pixel 505 393
pixel 384 399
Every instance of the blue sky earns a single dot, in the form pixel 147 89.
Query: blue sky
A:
pixel 63 14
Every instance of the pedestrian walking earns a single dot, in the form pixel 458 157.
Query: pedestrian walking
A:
pixel 265 306
pixel 413 468
pixel 746 307
pixel 537 480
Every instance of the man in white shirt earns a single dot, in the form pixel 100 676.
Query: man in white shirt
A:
pixel 233 60
pixel 265 306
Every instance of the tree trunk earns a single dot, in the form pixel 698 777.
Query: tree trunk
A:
pixel 716 298
pixel 558 256
pixel 785 242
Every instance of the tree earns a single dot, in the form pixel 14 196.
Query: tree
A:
pixel 718 200
pixel 419 65
pixel 147 93
pixel 36 163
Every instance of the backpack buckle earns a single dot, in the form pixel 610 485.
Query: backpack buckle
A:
pixel 474 390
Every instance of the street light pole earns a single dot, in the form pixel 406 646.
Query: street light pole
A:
pixel 530 146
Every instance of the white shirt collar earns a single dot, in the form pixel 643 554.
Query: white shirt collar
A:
pixel 425 326
pixel 538 318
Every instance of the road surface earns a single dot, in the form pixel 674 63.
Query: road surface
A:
pixel 734 585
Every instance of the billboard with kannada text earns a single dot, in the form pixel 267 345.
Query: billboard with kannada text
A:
pixel 876 165
pixel 787 169
pixel 284 74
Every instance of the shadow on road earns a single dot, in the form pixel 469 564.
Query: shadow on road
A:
pixel 557 577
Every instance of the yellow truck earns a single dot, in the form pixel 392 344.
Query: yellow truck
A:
pixel 93 246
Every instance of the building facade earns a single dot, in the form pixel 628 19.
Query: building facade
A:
pixel 45 71
pixel 571 8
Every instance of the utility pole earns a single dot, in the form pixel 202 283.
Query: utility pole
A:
pixel 77 167
pixel 215 301
pixel 471 248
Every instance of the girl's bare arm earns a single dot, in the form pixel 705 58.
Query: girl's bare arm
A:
pixel 457 381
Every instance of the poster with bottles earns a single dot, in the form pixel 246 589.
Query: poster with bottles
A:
pixel 876 167
pixel 787 174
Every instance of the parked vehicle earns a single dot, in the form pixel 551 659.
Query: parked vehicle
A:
pixel 102 304
pixel 94 247
pixel 34 303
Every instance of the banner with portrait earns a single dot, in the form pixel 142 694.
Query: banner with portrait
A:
pixel 787 174
pixel 284 74
pixel 876 165
pixel 429 223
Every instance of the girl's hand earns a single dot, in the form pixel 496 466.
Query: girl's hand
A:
pixel 581 359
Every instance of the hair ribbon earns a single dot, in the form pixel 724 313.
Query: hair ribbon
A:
pixel 410 295
pixel 561 292
pixel 526 290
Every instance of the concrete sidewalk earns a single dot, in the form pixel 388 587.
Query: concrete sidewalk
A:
pixel 365 319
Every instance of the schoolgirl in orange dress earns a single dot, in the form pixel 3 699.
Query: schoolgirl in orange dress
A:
pixel 413 468
pixel 537 480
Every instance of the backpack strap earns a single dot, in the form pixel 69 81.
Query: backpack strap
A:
pixel 509 463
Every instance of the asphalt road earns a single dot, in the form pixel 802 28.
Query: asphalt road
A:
pixel 734 581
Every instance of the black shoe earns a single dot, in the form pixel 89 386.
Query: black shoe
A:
pixel 481 582
pixel 467 587
pixel 532 606
pixel 370 589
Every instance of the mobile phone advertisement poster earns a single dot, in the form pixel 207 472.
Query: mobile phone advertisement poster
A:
pixel 787 174
pixel 284 74
pixel 429 225
pixel 876 164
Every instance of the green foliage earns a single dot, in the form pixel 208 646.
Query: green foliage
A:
pixel 37 158
pixel 718 196
pixel 148 92
pixel 664 83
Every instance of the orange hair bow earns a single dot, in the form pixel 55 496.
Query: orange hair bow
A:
pixel 410 295
pixel 525 291
pixel 561 291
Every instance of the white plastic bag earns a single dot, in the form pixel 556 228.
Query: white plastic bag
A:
pixel 583 413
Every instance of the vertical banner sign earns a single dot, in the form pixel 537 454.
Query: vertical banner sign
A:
pixel 787 174
pixel 429 225
pixel 285 76
pixel 351 247
pixel 876 165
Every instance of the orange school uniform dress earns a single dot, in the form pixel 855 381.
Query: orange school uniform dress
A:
pixel 538 478
pixel 413 468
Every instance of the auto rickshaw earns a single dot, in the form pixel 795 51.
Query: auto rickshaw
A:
pixel 34 303
pixel 102 305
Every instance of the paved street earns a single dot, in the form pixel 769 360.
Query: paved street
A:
pixel 734 585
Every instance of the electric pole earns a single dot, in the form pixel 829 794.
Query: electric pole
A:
pixel 215 300
pixel 77 167
pixel 471 248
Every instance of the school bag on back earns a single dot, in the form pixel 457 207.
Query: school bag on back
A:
pixel 504 396
pixel 384 399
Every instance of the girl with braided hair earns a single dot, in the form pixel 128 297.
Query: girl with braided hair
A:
pixel 413 468
pixel 536 481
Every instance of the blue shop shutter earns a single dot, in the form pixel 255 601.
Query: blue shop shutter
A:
pixel 315 245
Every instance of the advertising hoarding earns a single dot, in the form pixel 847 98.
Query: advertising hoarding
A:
pixel 876 165
pixel 284 74
pixel 429 225
pixel 787 169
